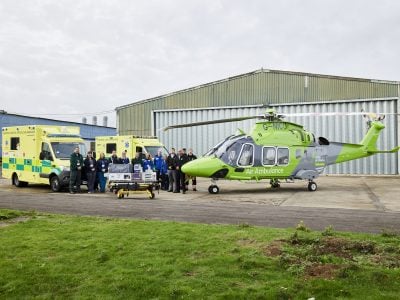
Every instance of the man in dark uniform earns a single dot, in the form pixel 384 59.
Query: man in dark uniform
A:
pixel 172 163
pixel 90 170
pixel 76 164
pixel 183 159
pixel 137 160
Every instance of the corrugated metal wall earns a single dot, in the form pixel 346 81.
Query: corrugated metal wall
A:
pixel 350 129
pixel 259 87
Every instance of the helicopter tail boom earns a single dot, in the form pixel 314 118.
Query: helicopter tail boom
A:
pixel 341 152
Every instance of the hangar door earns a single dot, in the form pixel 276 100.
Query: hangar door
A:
pixel 350 129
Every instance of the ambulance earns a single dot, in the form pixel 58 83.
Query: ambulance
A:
pixel 131 144
pixel 39 154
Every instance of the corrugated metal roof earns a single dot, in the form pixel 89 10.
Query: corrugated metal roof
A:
pixel 3 112
pixel 261 87
pixel 241 76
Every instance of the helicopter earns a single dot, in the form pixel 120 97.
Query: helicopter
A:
pixel 279 150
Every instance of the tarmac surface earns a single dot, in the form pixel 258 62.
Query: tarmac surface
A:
pixel 348 203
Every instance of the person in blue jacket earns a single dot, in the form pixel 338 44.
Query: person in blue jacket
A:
pixel 148 163
pixel 102 167
pixel 164 173
pixel 123 159
pixel 158 163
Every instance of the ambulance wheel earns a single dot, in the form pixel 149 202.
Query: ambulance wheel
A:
pixel 17 182
pixel 312 186
pixel 213 189
pixel 55 184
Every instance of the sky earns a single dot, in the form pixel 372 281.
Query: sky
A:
pixel 67 59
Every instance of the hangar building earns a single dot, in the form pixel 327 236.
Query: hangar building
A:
pixel 288 92
pixel 88 131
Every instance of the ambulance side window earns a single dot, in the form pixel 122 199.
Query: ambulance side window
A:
pixel 111 147
pixel 45 154
pixel 14 143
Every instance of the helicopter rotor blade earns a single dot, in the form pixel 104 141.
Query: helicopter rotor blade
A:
pixel 210 122
pixel 323 114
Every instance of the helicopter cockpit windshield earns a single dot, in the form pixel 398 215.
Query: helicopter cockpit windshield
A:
pixel 228 150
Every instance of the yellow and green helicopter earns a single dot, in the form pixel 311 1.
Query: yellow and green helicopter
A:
pixel 279 150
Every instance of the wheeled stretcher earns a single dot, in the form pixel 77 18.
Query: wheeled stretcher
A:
pixel 127 179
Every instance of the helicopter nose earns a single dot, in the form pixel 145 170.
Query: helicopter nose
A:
pixel 202 167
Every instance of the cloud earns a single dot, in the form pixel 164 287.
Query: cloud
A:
pixel 92 56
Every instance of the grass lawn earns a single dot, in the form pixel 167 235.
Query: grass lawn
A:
pixel 58 256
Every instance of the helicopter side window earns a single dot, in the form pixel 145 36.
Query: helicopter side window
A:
pixel 269 154
pixel 246 155
pixel 283 156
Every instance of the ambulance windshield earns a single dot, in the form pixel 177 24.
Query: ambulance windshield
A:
pixel 64 150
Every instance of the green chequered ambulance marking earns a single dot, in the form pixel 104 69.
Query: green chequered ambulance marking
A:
pixel 36 169
pixel 29 165
pixel 46 163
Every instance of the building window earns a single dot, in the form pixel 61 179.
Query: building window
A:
pixel 111 147
pixel 14 143
pixel 246 156
pixel 269 154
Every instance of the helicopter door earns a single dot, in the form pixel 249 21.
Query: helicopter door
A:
pixel 246 157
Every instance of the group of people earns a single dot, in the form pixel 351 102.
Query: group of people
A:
pixel 178 180
pixel 94 170
pixel 167 167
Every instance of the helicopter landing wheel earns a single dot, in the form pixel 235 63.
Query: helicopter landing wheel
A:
pixel 312 186
pixel 275 184
pixel 213 189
